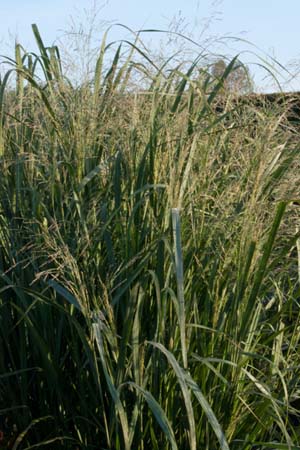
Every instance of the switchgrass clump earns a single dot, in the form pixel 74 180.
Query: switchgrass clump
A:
pixel 149 259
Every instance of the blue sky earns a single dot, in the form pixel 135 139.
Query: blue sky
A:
pixel 272 25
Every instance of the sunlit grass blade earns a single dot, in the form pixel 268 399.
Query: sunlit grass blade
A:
pixel 159 414
pixel 43 51
pixel 180 282
pixel 112 389
pixel 208 412
pixel 181 378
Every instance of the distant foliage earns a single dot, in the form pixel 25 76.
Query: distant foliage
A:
pixel 239 80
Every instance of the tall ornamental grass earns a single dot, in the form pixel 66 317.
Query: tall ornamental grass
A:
pixel 149 259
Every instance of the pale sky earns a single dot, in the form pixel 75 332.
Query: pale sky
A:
pixel 273 26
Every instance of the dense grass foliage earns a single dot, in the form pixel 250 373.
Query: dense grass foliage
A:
pixel 149 260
